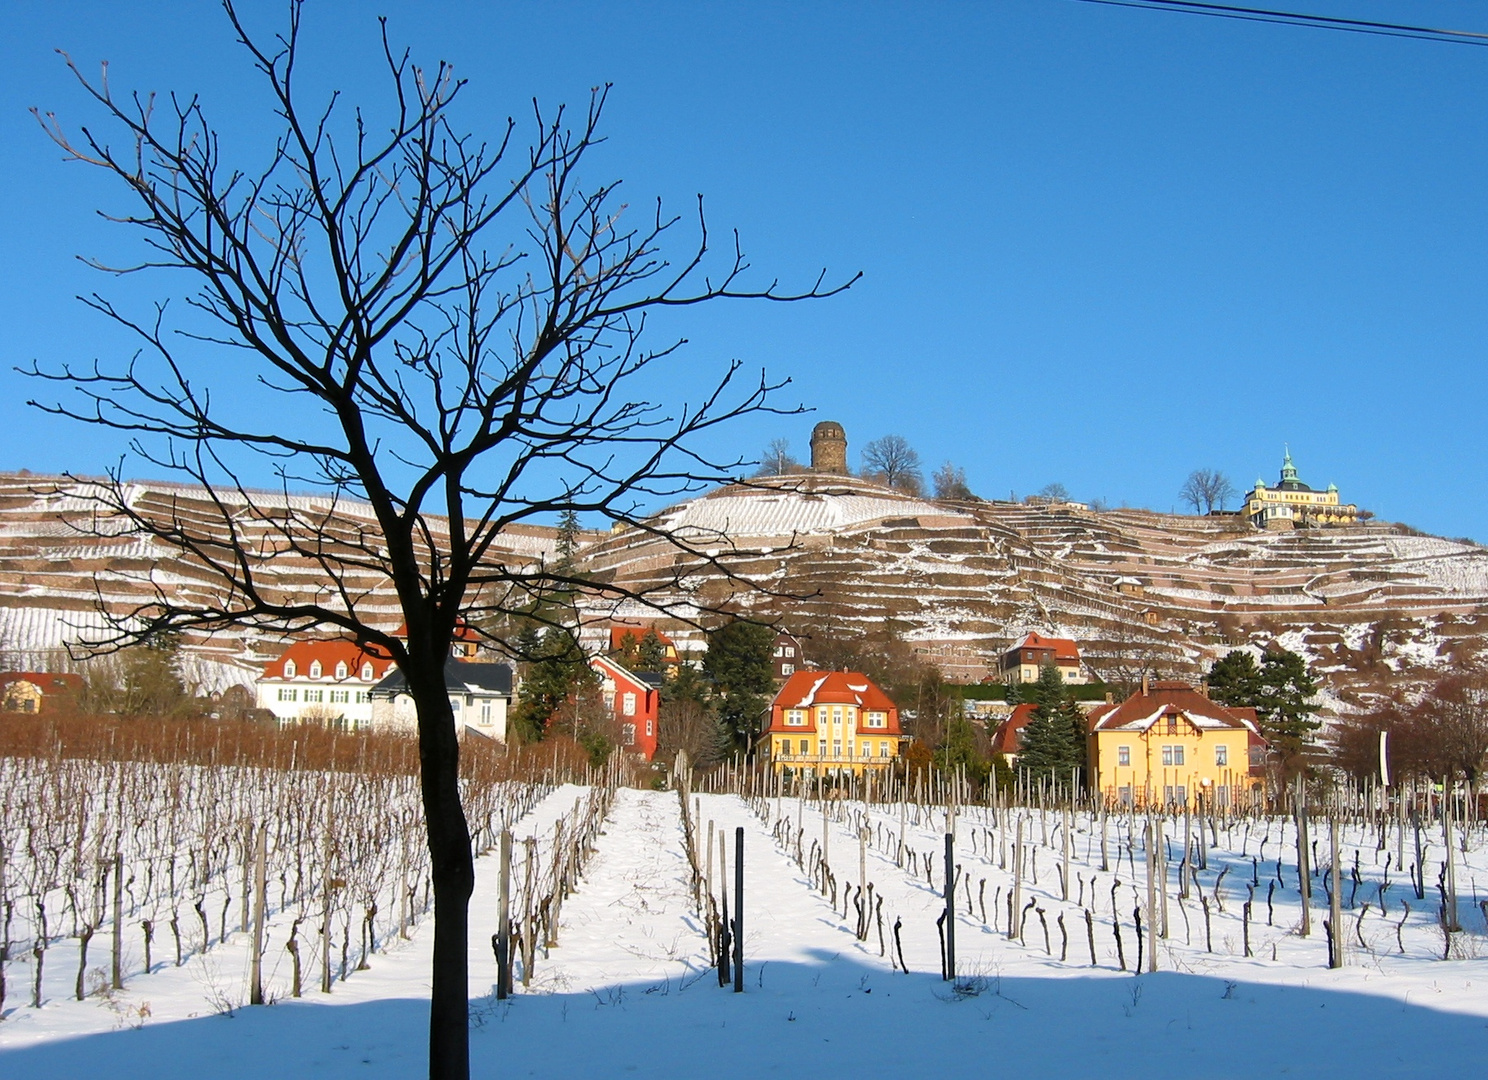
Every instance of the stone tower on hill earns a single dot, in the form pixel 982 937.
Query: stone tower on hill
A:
pixel 829 448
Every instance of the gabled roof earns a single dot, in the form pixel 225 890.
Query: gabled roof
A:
pixel 620 673
pixel 1163 699
pixel 1008 738
pixel 460 676
pixel 330 652
pixel 1064 649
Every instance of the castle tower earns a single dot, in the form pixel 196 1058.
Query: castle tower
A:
pixel 829 448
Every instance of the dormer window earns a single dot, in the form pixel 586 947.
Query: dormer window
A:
pixel 367 671
pixel 289 669
pixel 341 670
pixel 315 669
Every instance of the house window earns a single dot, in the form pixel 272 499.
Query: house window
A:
pixel 836 748
pixel 627 734
pixel 795 717
pixel 787 669
pixel 805 746
pixel 485 713
pixel 790 650
pixel 867 749
pixel 367 672
pixel 363 696
pixel 455 704
pixel 314 696
pixel 1172 725
pixel 876 720
pixel 1123 755
pixel 289 669
pixel 315 669
pixel 1177 755
pixel 1124 794
pixel 341 670
pixel 340 697
pixel 1168 794
pixel 286 694
pixel 1221 755
pixel 627 704
pixel 1167 757
pixel 821 748
pixel 650 728
pixel 837 716
pixel 883 749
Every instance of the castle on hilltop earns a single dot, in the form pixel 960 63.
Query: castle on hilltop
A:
pixel 1291 503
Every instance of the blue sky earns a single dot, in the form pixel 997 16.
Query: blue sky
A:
pixel 1100 246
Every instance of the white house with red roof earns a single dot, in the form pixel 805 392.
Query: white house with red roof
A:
pixel 1023 662
pixel 325 679
pixel 832 723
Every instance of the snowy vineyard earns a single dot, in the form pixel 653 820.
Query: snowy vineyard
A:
pixel 621 903
pixel 113 870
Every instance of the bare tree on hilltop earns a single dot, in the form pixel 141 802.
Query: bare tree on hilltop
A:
pixel 778 460
pixel 893 460
pixel 1206 490
pixel 389 309
pixel 950 482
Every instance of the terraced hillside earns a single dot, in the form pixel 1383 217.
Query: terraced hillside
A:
pixel 964 579
pixel 1368 604
pixel 64 560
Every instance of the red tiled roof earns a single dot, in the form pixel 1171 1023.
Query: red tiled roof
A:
pixel 330 652
pixel 619 634
pixel 1008 737
pixel 806 689
pixel 1064 648
pixel 1142 710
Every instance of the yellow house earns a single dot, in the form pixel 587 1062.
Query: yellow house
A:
pixel 1169 745
pixel 1291 503
pixel 832 723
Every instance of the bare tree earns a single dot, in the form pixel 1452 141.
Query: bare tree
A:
pixel 1055 492
pixel 778 460
pixel 391 310
pixel 1206 490
pixel 894 460
pixel 950 482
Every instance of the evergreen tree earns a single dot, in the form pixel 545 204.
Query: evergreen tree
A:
pixel 962 750
pixel 650 653
pixel 556 671
pixel 568 539
pixel 1285 704
pixel 740 662
pixel 150 682
pixel 1054 740
pixel 1235 680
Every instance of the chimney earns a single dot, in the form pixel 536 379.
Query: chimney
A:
pixel 1204 687
pixel 1110 698
pixel 1144 684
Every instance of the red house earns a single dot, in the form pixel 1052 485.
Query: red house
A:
pixel 634 699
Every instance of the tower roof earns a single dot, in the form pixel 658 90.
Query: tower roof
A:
pixel 1289 480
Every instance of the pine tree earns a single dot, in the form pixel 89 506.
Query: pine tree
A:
pixel 650 653
pixel 1235 680
pixel 1285 704
pixel 568 539
pixel 555 673
pixel 1054 740
pixel 741 664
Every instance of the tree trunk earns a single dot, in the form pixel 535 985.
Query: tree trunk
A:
pixel 452 867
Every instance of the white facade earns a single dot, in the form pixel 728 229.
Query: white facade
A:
pixel 322 681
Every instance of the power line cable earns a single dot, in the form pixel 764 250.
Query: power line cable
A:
pixel 1293 18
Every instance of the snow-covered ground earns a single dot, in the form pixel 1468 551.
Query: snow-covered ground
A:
pixel 628 992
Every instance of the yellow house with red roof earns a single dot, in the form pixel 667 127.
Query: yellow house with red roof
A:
pixel 832 723
pixel 1170 745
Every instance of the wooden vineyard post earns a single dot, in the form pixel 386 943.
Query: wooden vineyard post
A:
pixel 950 906
pixel 1304 864
pixel 1335 904
pixel 739 910
pixel 1451 898
pixel 503 920
pixel 118 947
pixel 260 902
pixel 1151 926
pixel 863 857
pixel 1014 922
pixel 903 821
